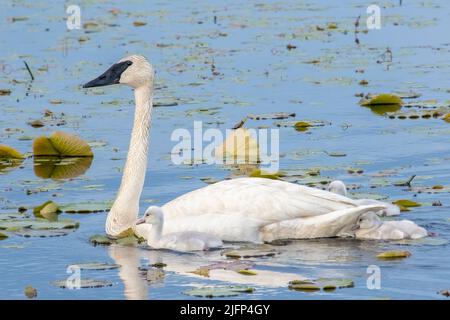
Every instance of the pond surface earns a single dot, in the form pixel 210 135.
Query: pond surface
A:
pixel 219 62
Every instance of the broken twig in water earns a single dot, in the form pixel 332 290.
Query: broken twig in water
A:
pixel 406 183
pixel 29 70
pixel 239 124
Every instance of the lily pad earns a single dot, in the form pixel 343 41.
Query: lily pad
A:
pixel 7 152
pixel 61 144
pixel 100 239
pixel 397 254
pixel 249 253
pixel 326 284
pixel 96 266
pixel 218 291
pixel 84 283
pixel 3 236
pixel 276 115
pixel 30 292
pixel 258 173
pixel 247 272
pixel 57 168
pixel 48 210
pixel 382 99
pixel 406 203
pixel 38 224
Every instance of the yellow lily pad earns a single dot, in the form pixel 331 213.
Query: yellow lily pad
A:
pixel 61 144
pixel 7 152
pixel 382 99
pixel 396 254
pixel 30 292
pixel 406 203
pixel 61 168
pixel 3 236
pixel 246 272
pixel 48 210
pixel 446 117
pixel 302 125
pixel 258 173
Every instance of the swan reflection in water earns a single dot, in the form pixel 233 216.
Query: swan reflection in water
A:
pixel 298 258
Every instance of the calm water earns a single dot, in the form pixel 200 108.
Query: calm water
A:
pixel 256 74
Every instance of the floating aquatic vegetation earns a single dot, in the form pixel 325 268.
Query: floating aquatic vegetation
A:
pixel 87 207
pixel 38 227
pixel 396 254
pixel 30 292
pixel 247 272
pixel 404 203
pixel 258 173
pixel 383 99
pixel 445 293
pixel 83 284
pixel 3 236
pixel 326 284
pixel 5 92
pixel 301 125
pixel 276 115
pixel 7 152
pixel 249 253
pixel 61 144
pixel 96 266
pixel 218 291
pixel 48 210
pixel 57 168
pixel 126 240
pixel 240 145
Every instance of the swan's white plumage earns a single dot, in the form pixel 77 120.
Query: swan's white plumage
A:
pixel 235 210
pixel 390 209
pixel 371 227
pixel 152 224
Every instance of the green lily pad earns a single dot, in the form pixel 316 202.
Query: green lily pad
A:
pixel 100 239
pixel 30 292
pixel 3 236
pixel 258 173
pixel 218 291
pixel 87 207
pixel 7 152
pixel 57 168
pixel 382 99
pixel 247 272
pixel 326 284
pixel 96 266
pixel 42 233
pixel 61 144
pixel 249 253
pixel 38 224
pixel 84 283
pixel 48 210
pixel 396 254
pixel 406 203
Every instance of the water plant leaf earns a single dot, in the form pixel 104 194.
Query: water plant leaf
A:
pixel 96 266
pixel 276 115
pixel 395 254
pixel 47 210
pixel 61 168
pixel 218 291
pixel 382 99
pixel 100 239
pixel 3 236
pixel 258 173
pixel 326 284
pixel 30 292
pixel 247 272
pixel 406 203
pixel 38 224
pixel 302 125
pixel 7 152
pixel 249 253
pixel 84 283
pixel 61 144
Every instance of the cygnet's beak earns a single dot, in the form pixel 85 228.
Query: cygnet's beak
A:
pixel 355 227
pixel 140 221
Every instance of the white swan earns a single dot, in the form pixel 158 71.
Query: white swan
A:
pixel 369 226
pixel 233 210
pixel 153 222
pixel 339 187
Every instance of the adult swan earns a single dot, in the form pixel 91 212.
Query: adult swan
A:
pixel 244 209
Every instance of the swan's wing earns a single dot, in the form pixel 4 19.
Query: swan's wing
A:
pixel 328 225
pixel 263 200
pixel 390 210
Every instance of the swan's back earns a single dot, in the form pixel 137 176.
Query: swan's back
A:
pixel 236 209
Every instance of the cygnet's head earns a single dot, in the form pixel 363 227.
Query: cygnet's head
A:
pixel 154 215
pixel 338 187
pixel 134 71
pixel 367 220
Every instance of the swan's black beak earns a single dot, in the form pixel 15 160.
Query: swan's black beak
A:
pixel 140 221
pixel 110 76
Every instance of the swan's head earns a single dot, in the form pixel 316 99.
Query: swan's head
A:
pixel 154 215
pixel 367 220
pixel 134 71
pixel 338 187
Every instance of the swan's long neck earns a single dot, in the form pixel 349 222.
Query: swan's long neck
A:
pixel 154 235
pixel 125 209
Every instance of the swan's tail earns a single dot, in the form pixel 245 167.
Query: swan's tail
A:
pixel 332 224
